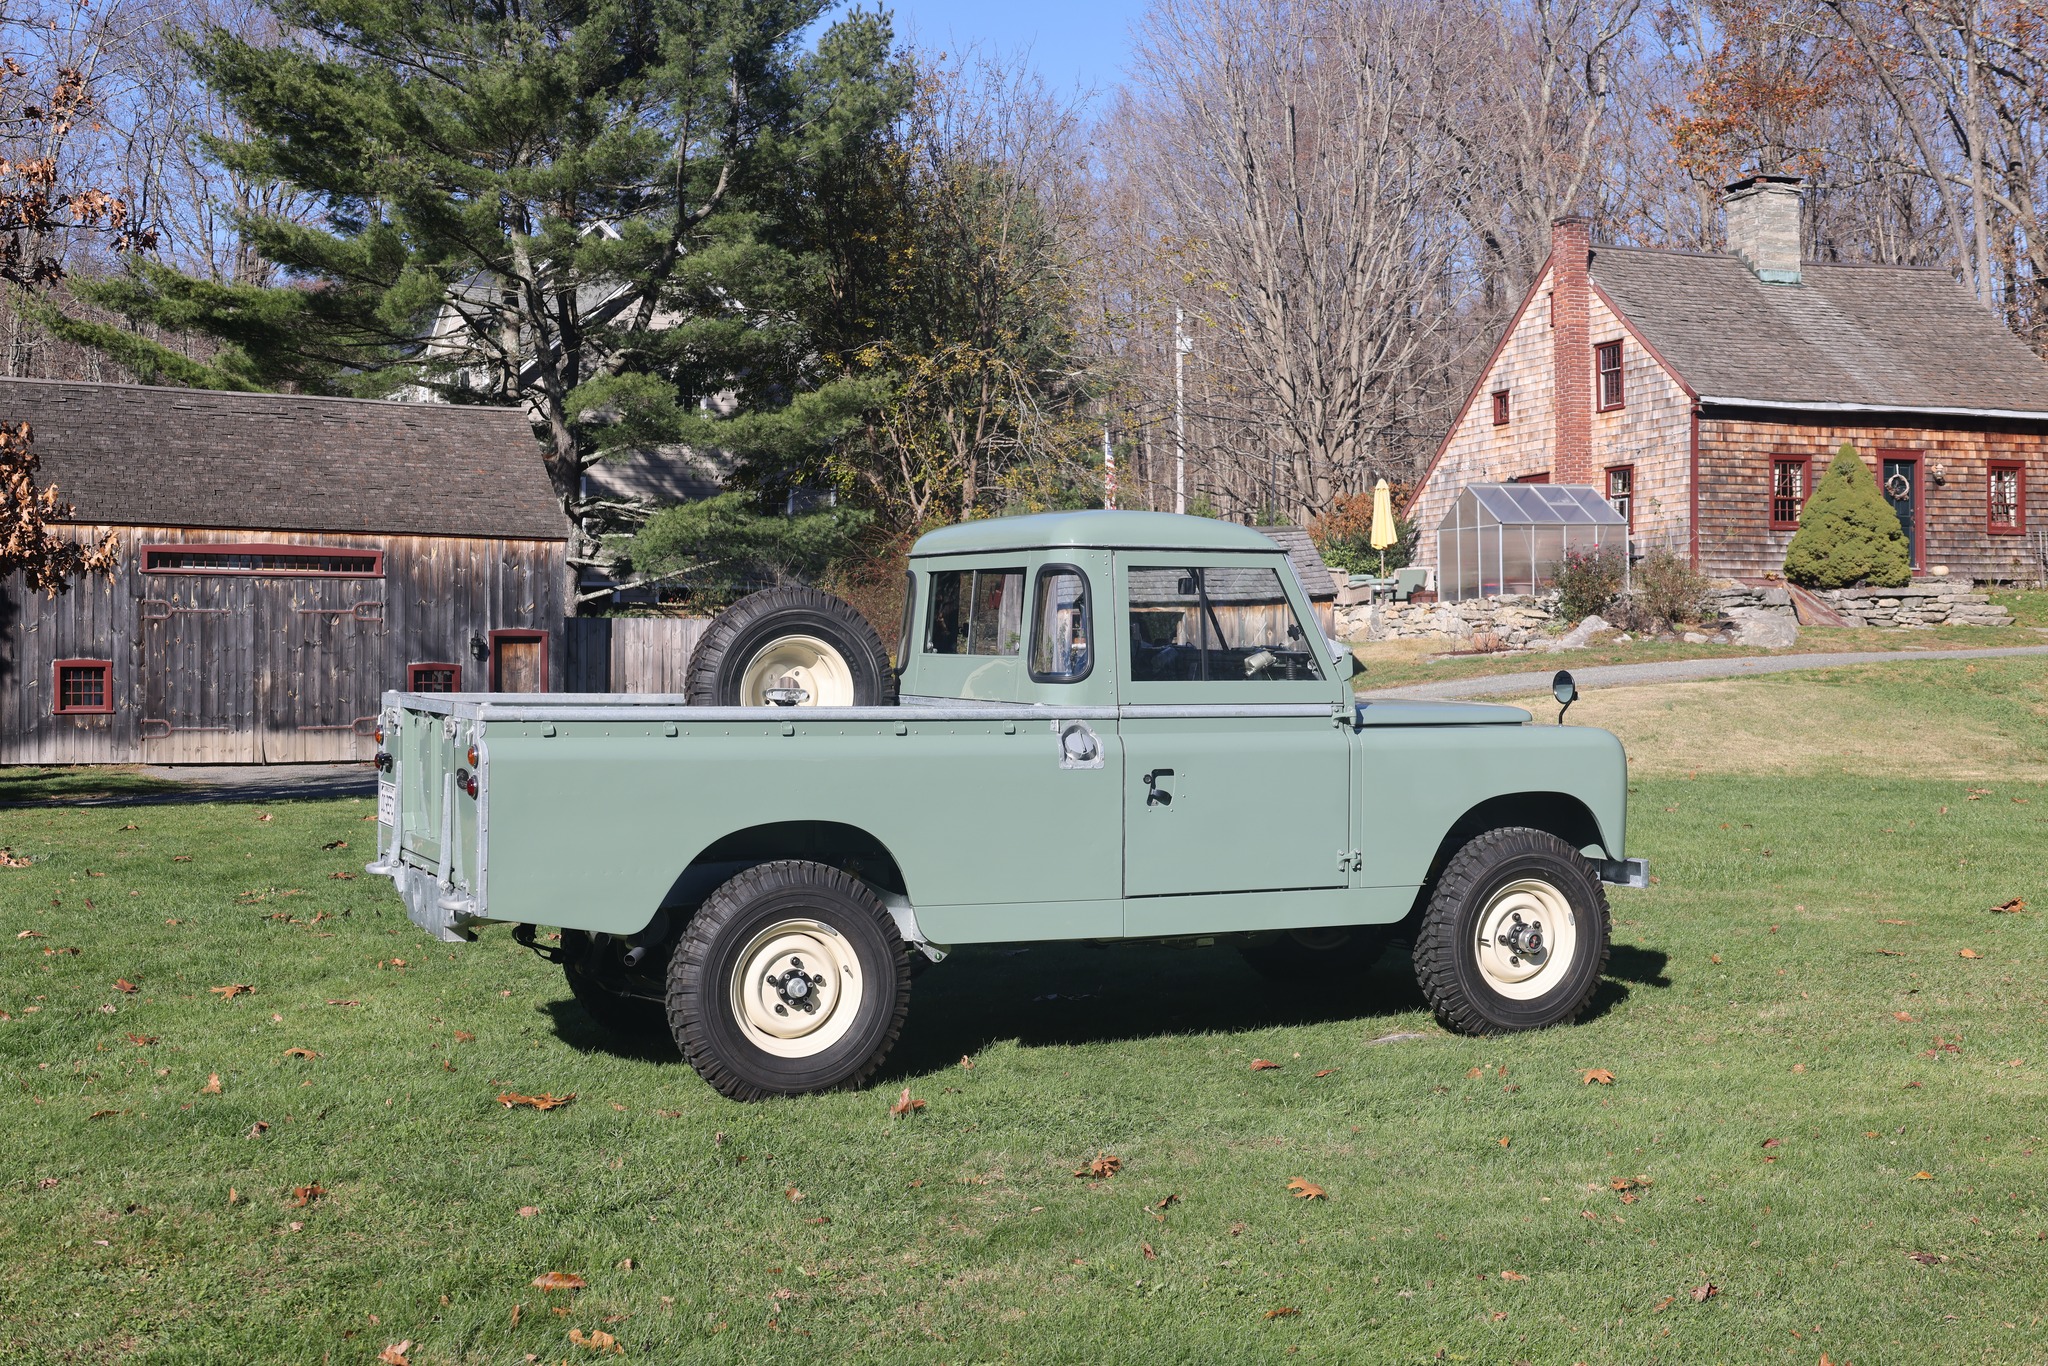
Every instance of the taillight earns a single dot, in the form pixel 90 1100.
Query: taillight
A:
pixel 466 780
pixel 383 762
pixel 378 735
pixel 472 756
pixel 470 786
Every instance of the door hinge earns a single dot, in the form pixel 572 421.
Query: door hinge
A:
pixel 1350 861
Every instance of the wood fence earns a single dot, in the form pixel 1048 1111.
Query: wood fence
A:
pixel 631 654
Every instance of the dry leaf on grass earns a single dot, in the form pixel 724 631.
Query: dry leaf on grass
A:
pixel 1663 1304
pixel 1326 1072
pixel 1702 1293
pixel 1902 1017
pixel 335 844
pixel 232 990
pixel 528 1211
pixel 395 1354
pixel 181 858
pixel 263 816
pixel 8 859
pixel 461 1035
pixel 1968 953
pixel 1104 1166
pixel 142 1040
pixel 793 1193
pixel 1168 1202
pixel 597 1340
pixel 544 1101
pixel 258 1129
pixel 1304 1190
pixel 1282 1313
pixel 306 1195
pixel 125 987
pixel 1770 1143
pixel 2012 907
pixel 1475 1073
pixel 344 1003
pixel 341 877
pixel 29 934
pixel 212 1087
pixel 1513 1276
pixel 558 1280
pixel 1150 1255
pixel 1261 1065
pixel 1597 1074
pixel 300 1053
pixel 905 1104
pixel 966 1061
pixel 1923 1176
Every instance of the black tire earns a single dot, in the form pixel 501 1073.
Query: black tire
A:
pixel 1297 955
pixel 1478 882
pixel 702 981
pixel 599 981
pixel 756 622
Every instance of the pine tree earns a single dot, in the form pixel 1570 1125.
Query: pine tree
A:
pixel 1848 534
pixel 597 209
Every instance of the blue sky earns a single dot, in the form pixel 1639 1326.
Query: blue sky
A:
pixel 1072 43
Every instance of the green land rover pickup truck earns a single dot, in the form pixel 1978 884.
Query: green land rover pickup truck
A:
pixel 1099 725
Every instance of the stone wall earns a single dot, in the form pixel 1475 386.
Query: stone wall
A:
pixel 1924 602
pixel 1482 623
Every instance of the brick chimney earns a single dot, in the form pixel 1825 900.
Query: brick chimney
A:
pixel 1571 342
pixel 1763 225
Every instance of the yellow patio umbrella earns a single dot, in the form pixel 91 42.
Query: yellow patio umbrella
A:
pixel 1383 534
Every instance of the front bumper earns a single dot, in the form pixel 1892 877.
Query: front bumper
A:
pixel 445 914
pixel 1622 872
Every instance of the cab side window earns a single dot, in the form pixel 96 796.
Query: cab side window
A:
pixel 1215 625
pixel 1061 630
pixel 975 612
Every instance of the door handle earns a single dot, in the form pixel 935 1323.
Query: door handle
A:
pixel 1155 795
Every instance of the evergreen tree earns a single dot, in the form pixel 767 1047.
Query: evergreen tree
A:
pixel 617 213
pixel 1848 534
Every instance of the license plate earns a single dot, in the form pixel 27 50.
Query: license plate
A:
pixel 387 803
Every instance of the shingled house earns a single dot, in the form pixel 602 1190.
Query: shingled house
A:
pixel 283 561
pixel 1703 393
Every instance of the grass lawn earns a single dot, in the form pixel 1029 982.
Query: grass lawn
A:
pixel 27 783
pixel 1829 1114
pixel 1392 663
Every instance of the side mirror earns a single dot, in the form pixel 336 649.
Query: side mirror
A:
pixel 1347 663
pixel 1565 691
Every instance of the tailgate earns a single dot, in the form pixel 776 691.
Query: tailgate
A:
pixel 429 829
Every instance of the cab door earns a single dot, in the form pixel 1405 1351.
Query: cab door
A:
pixel 1237 778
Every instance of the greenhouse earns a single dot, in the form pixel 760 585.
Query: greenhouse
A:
pixel 1509 538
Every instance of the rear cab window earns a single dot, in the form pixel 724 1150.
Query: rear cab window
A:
pixel 975 612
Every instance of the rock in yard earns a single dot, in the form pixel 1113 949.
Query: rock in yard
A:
pixel 1581 635
pixel 1767 630
pixel 1694 638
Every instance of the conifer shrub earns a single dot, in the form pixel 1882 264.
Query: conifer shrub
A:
pixel 1848 534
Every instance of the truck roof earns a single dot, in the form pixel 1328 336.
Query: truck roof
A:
pixel 1104 529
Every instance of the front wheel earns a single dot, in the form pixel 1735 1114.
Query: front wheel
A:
pixel 790 978
pixel 1514 936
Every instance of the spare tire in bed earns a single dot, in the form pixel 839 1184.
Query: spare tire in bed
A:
pixel 791 647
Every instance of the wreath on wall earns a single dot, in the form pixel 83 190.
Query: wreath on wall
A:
pixel 1898 486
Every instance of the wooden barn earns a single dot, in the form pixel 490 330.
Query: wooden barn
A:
pixel 1703 393
pixel 283 561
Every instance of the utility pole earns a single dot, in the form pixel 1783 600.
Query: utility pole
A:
pixel 1182 344
pixel 1108 470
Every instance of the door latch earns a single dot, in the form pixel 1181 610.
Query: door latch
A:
pixel 1155 795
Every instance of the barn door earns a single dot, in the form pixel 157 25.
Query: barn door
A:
pixel 1902 490
pixel 519 661
pixel 199 671
pixel 319 679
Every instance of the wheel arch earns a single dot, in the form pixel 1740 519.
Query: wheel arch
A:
pixel 836 844
pixel 1555 813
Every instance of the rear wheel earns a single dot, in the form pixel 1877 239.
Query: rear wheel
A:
pixel 791 647
pixel 1515 934
pixel 1293 955
pixel 790 978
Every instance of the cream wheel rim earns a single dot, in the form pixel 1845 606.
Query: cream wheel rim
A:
pixel 797 988
pixel 1527 939
pixel 805 662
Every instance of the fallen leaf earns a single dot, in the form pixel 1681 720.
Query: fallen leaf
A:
pixel 181 858
pixel 461 1035
pixel 341 877
pixel 1261 1065
pixel 228 993
pixel 1513 1276
pixel 1504 1142
pixel 1770 1143
pixel 306 1195
pixel 398 962
pixel 544 1101
pixel 8 859
pixel 905 1104
pixel 234 1196
pixel 966 1061
pixel 558 1280
pixel 528 1211
pixel 1304 1190
pixel 344 1003
pixel 259 1128
pixel 125 987
pixel 793 1193
pixel 598 1341
pixel 821 1219
pixel 1475 1073
pixel 263 816
pixel 1663 1304
pixel 1923 1176
pixel 1968 953
pixel 29 934
pixel 395 1354
pixel 212 1087
pixel 1104 1166
pixel 335 844
pixel 1927 1258
pixel 142 1040
pixel 1326 1072
pixel 300 1053
pixel 2012 907
pixel 1281 1313
pixel 1150 1255
pixel 1902 1017
pixel 1715 957
pixel 1167 1202
pixel 1597 1074
pixel 1702 1293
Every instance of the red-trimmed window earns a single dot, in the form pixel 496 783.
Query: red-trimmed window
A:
pixel 1621 492
pixel 84 687
pixel 264 557
pixel 1500 407
pixel 1788 492
pixel 433 677
pixel 2005 503
pixel 1607 370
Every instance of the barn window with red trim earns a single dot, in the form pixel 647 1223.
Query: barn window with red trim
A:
pixel 1621 492
pixel 1500 407
pixel 433 678
pixel 1607 363
pixel 1788 493
pixel 84 687
pixel 2005 511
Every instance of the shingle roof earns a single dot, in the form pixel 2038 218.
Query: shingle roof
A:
pixel 1308 561
pixel 1882 336
pixel 137 455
